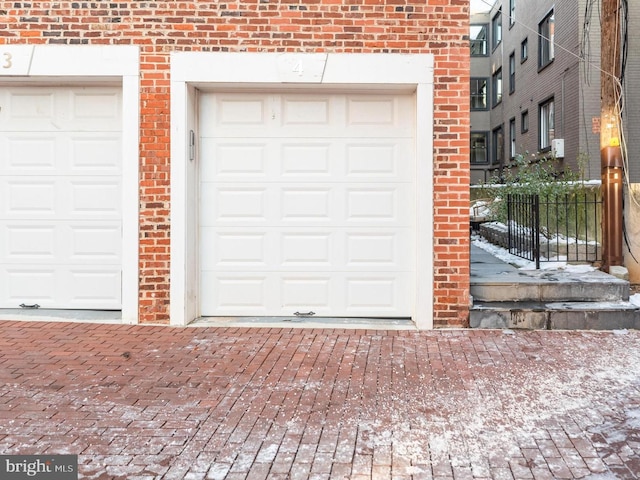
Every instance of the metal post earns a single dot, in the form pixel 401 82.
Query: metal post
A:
pixel 611 207
pixel 536 230
pixel 610 121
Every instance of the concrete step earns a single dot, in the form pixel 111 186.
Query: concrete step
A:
pixel 548 286
pixel 615 315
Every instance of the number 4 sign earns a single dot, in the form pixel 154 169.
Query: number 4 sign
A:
pixel 309 68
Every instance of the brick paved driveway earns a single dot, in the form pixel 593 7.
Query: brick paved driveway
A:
pixel 140 402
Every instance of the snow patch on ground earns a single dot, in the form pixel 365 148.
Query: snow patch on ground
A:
pixel 497 413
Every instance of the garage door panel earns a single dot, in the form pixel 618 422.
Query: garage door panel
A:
pixel 93 154
pixel 51 242
pixel 228 111
pixel 93 287
pixel 376 249
pixel 59 154
pixel 91 244
pixel 226 249
pixel 98 109
pixel 55 109
pixel 90 198
pixel 29 198
pixel 392 112
pixel 373 161
pixel 291 116
pixel 306 204
pixel 244 111
pixel 366 295
pixel 304 161
pixel 310 250
pixel 64 198
pixel 61 286
pixel 28 153
pixel 378 205
pixel 234 293
pixel 29 242
pixel 32 107
pixel 372 111
pixel 233 205
pixel 29 286
pixel 300 293
pixel 310 112
pixel 235 161
pixel 232 249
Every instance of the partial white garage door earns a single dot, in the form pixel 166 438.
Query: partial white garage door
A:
pixel 306 204
pixel 60 190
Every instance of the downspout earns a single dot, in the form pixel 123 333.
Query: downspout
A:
pixel 564 75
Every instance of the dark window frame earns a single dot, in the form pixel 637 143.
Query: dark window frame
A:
pixel 512 72
pixel 484 42
pixel 496 88
pixel 497 146
pixel 512 138
pixel 512 13
pixel 473 149
pixel 546 39
pixel 524 50
pixel 546 124
pixel 524 121
pixel 473 90
pixel 496 29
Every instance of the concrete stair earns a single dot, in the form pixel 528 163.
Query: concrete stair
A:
pixel 506 297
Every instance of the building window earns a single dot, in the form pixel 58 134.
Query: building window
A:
pixel 479 40
pixel 497 147
pixel 545 49
pixel 479 93
pixel 524 50
pixel 496 29
pixel 512 72
pixel 547 124
pixel 524 121
pixel 512 12
pixel 512 138
pixel 479 148
pixel 496 87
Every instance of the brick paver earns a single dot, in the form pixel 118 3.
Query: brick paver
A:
pixel 149 402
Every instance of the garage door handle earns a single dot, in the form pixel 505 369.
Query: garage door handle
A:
pixel 35 305
pixel 307 314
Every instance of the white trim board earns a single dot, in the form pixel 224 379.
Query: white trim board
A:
pixel 84 64
pixel 191 71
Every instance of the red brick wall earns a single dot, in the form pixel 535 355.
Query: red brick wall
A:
pixel 439 27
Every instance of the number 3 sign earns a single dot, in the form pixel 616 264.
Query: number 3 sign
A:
pixel 15 59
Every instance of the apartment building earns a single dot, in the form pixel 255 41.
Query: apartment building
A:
pixel 535 90
pixel 535 86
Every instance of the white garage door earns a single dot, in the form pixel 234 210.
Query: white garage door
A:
pixel 306 204
pixel 60 190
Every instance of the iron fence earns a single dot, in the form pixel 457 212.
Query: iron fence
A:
pixel 555 228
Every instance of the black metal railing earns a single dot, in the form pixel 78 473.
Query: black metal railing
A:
pixel 555 228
